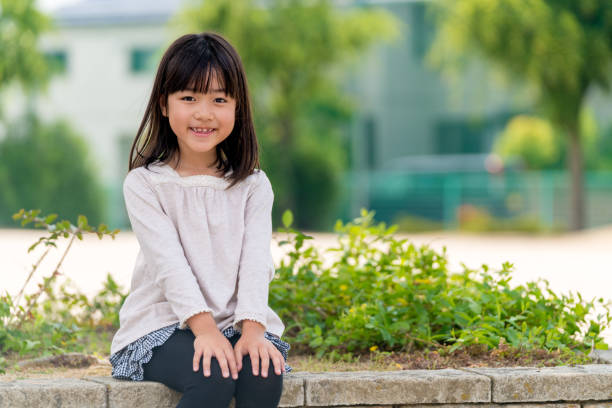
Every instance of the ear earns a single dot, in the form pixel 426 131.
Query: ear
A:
pixel 162 105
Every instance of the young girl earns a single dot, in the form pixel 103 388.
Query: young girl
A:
pixel 197 317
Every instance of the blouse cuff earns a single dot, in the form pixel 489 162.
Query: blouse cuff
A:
pixel 183 321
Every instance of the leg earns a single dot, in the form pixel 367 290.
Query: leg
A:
pixel 172 365
pixel 255 391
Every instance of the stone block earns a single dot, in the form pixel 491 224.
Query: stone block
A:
pixel 42 393
pixel 396 387
pixel 601 356
pixel 129 394
pixel 293 390
pixel 526 405
pixel 598 405
pixel 575 383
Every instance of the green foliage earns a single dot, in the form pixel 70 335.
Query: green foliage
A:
pixel 47 166
pixel 379 294
pixel 561 49
pixel 531 140
pixel 49 323
pixel 539 145
pixel 20 59
pixel 384 292
pixel 293 52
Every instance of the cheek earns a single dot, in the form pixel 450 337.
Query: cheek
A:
pixel 229 119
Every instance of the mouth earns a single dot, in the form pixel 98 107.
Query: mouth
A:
pixel 202 131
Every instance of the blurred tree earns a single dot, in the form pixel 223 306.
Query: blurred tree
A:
pixel 46 166
pixel 561 48
pixel 539 144
pixel 530 139
pixel 292 51
pixel 20 59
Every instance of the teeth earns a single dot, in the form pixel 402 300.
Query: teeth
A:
pixel 202 130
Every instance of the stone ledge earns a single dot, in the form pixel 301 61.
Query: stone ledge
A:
pixel 557 387
pixel 65 393
pixel 396 387
pixel 575 383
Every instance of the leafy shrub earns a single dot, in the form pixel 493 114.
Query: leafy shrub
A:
pixel 47 166
pixel 52 323
pixel 387 293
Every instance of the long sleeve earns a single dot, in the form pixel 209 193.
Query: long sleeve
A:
pixel 256 263
pixel 161 246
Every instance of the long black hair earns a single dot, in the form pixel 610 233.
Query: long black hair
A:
pixel 195 59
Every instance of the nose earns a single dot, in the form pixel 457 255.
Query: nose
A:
pixel 203 112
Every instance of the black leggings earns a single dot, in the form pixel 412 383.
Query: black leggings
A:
pixel 172 365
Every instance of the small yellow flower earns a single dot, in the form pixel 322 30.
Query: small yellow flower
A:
pixel 343 287
pixel 373 348
pixel 398 366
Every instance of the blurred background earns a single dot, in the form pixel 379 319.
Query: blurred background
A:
pixel 480 115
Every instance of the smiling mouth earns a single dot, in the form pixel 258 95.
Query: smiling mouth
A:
pixel 202 131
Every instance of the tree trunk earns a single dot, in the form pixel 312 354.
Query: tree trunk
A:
pixel 577 197
pixel 287 202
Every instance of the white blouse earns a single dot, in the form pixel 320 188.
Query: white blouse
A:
pixel 202 249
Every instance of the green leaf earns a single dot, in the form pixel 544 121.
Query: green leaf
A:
pixel 287 218
pixel 82 222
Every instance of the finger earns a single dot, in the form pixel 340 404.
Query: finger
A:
pixel 206 363
pixel 231 360
pixel 196 359
pixel 223 363
pixel 278 360
pixel 254 354
pixel 265 362
pixel 238 354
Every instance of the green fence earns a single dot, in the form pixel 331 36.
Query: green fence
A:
pixel 543 196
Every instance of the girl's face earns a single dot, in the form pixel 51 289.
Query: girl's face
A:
pixel 200 121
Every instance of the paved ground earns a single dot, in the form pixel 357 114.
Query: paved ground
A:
pixel 571 262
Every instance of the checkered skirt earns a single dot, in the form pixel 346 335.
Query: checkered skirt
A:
pixel 127 362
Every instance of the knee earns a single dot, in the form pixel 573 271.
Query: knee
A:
pixel 213 384
pixel 256 391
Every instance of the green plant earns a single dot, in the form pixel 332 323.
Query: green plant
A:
pixel 33 326
pixel 384 292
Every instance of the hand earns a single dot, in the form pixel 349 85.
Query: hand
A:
pixel 257 346
pixel 214 343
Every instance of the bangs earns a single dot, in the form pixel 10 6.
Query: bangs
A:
pixel 202 69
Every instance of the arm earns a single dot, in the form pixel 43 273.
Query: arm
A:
pixel 160 244
pixel 256 267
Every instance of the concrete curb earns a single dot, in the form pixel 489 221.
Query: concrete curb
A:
pixel 555 387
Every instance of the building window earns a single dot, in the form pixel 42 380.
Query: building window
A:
pixel 370 142
pixel 422 30
pixel 470 135
pixel 57 61
pixel 457 136
pixel 143 60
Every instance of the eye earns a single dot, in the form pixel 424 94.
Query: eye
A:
pixel 183 98
pixel 220 100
